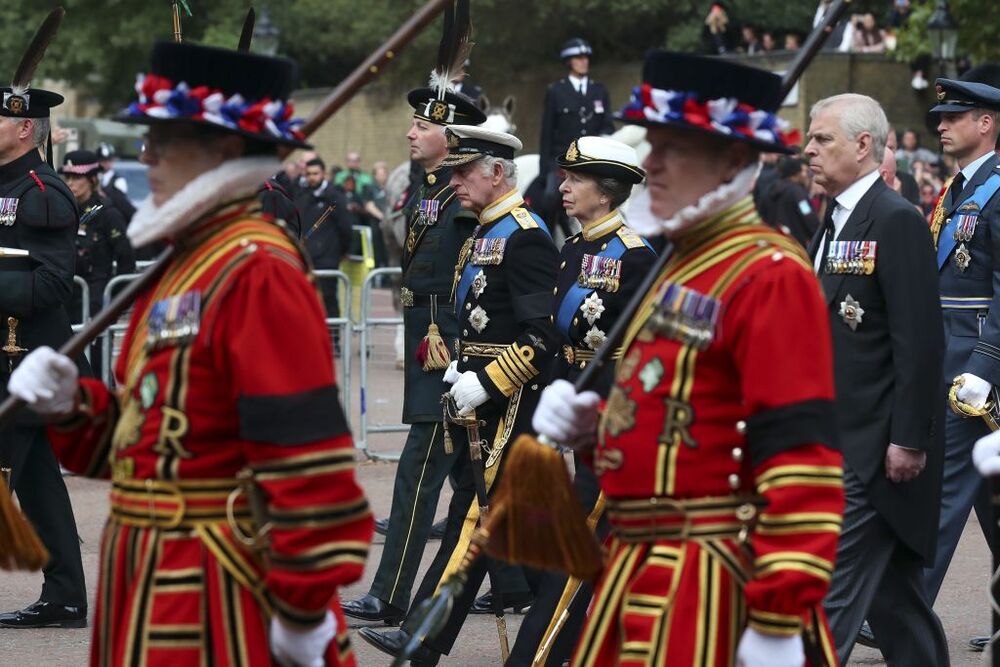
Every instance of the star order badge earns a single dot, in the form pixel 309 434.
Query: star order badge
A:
pixel 479 283
pixel 962 258
pixel 851 312
pixel 594 338
pixel 592 308
pixel 478 319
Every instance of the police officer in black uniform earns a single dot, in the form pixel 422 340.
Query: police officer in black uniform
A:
pixel 600 269
pixel 113 185
pixel 102 248
pixel 437 229
pixel 38 214
pixel 575 106
pixel 503 296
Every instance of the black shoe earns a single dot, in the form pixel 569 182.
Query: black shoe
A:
pixel 45 615
pixel 437 530
pixel 382 526
pixel 978 644
pixel 865 636
pixel 516 602
pixel 394 641
pixel 370 608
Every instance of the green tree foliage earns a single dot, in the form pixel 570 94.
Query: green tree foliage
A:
pixel 104 43
pixel 978 33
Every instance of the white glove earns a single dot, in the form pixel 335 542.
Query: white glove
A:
pixel 565 416
pixel 47 381
pixel 302 648
pixel 986 454
pixel 974 391
pixel 451 373
pixel 757 649
pixel 468 393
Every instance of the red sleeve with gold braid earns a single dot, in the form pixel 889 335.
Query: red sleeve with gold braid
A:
pixel 82 444
pixel 784 355
pixel 274 347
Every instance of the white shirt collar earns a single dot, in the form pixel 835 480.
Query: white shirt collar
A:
pixel 970 169
pixel 849 198
pixel 580 83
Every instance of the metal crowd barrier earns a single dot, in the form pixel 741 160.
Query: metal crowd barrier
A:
pixel 343 324
pixel 85 298
pixel 115 330
pixel 365 328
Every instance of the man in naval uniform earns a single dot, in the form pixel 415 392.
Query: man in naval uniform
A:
pixel 504 282
pixel 437 229
pixel 38 214
pixel 575 106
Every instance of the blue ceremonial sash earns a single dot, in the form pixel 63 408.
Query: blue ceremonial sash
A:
pixel 577 293
pixel 982 195
pixel 500 230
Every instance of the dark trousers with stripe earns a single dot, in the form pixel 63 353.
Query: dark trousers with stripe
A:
pixel 962 489
pixel 41 491
pixel 510 578
pixel 423 468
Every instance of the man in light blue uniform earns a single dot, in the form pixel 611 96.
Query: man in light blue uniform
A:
pixel 966 224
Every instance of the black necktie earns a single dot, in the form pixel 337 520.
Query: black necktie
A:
pixel 955 191
pixel 828 231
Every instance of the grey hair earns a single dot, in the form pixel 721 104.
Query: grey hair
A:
pixel 860 113
pixel 509 168
pixel 615 190
pixel 40 131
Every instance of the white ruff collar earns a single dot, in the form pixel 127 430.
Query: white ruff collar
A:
pixel 229 181
pixel 642 220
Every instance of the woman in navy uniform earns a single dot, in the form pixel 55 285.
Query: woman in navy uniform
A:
pixel 599 270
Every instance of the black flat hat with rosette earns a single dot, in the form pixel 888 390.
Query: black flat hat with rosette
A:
pixel 242 92
pixel 713 96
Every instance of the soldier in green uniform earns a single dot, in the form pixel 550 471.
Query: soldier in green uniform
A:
pixel 437 228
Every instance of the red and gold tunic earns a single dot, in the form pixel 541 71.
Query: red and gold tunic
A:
pixel 723 490
pixel 226 366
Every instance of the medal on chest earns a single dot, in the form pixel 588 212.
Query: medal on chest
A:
pixel 851 257
pixel 598 272
pixel 174 320
pixel 427 212
pixel 479 283
pixel 851 312
pixel 487 252
pixel 685 315
pixel 966 221
pixel 8 211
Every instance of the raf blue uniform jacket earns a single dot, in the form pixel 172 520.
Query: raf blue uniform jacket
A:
pixel 972 330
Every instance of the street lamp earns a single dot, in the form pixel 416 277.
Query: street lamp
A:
pixel 943 31
pixel 265 34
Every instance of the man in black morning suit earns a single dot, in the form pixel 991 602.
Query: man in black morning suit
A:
pixel 875 260
pixel 966 224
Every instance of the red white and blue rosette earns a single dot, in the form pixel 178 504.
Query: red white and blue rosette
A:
pixel 725 116
pixel 162 99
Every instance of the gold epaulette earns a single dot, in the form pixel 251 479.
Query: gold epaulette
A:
pixel 629 237
pixel 523 217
